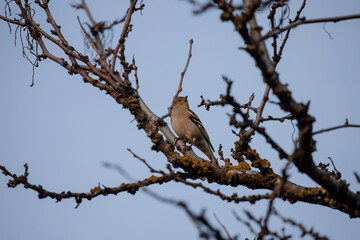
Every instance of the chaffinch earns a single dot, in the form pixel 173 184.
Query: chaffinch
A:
pixel 188 126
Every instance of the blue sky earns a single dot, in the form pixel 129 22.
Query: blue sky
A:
pixel 65 129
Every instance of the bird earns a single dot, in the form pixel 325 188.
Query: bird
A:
pixel 188 127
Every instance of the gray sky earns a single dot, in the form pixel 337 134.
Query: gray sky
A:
pixel 65 129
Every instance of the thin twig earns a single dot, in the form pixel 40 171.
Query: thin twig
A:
pixel 301 227
pixel 222 225
pixel 332 162
pixel 303 21
pixel 202 224
pixel 124 32
pixel 88 13
pixel 191 41
pixel 281 49
pixel 90 40
pixel 281 119
pixel 345 125
pixel 144 161
pixel 183 72
pixel 14 21
pixel 249 104
pixel 259 112
pixel 135 74
pixel 357 177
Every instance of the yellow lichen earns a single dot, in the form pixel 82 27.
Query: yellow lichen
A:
pixel 225 16
pixel 261 164
pixel 332 203
pixel 95 189
pixel 253 154
pixel 242 165
pixel 173 155
pixel 153 178
pixel 310 192
pixel 220 152
pixel 204 167
pixel 186 160
pixel 226 178
pixel 267 177
pixel 157 138
pixel 227 162
pixel 236 154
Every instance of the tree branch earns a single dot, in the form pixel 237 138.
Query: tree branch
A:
pixel 345 125
pixel 303 21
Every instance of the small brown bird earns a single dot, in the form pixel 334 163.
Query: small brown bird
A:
pixel 188 126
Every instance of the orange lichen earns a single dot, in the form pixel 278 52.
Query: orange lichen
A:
pixel 194 165
pixel 225 16
pixel 153 178
pixel 123 185
pixel 95 189
pixel 261 164
pixel 173 154
pixel 226 178
pixel 253 153
pixel 220 152
pixel 186 160
pixel 242 165
pixel 204 167
pixel 267 177
pixel 333 203
pixel 310 192
pixel 266 173
pixel 157 138
pixel 236 154
pixel 256 160
pixel 227 162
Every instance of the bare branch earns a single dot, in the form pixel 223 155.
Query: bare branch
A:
pixel 302 156
pixel 223 227
pixel 281 119
pixel 205 228
pixel 297 17
pixel 135 74
pixel 123 35
pixel 303 21
pixel 88 13
pixel 345 125
pixel 301 227
pixel 337 173
pixel 181 80
pixel 13 21
pixel 152 170
pixel 259 112
pixel 43 193
pixel 357 177
pixel 90 40
pixel 183 72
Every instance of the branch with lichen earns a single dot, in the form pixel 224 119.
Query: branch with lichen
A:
pixel 302 155
pixel 117 84
pixel 94 192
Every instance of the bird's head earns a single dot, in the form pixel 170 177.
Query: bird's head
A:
pixel 180 101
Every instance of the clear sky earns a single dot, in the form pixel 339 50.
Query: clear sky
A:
pixel 65 129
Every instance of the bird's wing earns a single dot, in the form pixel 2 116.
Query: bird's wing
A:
pixel 196 120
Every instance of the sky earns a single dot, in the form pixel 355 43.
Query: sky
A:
pixel 65 130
